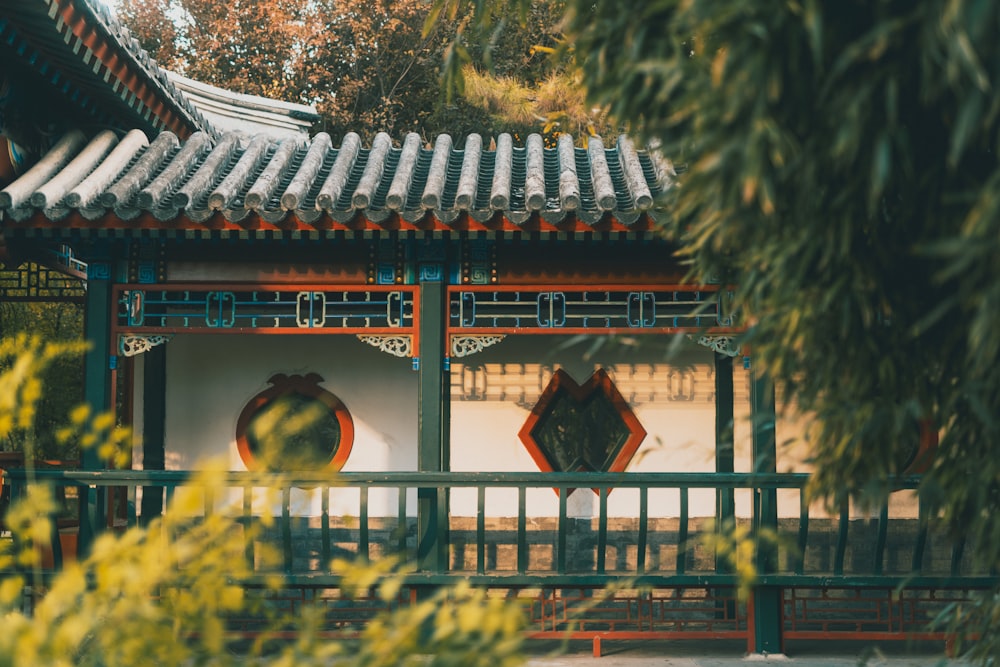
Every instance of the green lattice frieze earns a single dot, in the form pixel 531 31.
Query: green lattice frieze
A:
pixel 34 282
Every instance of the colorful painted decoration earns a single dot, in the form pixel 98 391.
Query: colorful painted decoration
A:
pixel 294 425
pixel 582 428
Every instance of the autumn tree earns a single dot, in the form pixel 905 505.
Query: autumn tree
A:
pixel 367 66
pixel 249 46
pixel 151 25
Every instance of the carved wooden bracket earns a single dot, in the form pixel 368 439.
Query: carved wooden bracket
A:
pixel 463 346
pixel 130 345
pixel 397 346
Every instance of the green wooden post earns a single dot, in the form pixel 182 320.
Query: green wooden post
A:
pixel 154 390
pixel 433 453
pixel 97 390
pixel 767 600
pixel 724 453
pixel 725 514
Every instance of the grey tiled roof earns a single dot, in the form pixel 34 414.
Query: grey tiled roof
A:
pixel 88 57
pixel 254 180
pixel 229 110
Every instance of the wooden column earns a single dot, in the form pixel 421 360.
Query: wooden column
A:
pixel 767 600
pixel 724 416
pixel 433 453
pixel 725 512
pixel 96 391
pixel 154 419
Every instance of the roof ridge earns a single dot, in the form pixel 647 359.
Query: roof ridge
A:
pixel 197 187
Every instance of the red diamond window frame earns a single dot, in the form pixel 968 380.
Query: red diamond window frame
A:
pixel 598 381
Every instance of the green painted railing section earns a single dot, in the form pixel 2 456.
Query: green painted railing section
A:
pixel 838 543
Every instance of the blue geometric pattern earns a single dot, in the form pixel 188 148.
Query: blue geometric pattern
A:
pixel 147 272
pixel 99 271
pixel 478 261
pixel 385 274
pixel 433 273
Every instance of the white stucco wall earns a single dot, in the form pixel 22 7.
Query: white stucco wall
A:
pixel 671 392
pixel 210 378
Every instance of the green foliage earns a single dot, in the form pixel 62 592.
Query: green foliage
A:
pixel 553 105
pixel 973 625
pixel 59 324
pixel 738 548
pixel 164 593
pixel 840 168
pixel 841 173
pixel 24 361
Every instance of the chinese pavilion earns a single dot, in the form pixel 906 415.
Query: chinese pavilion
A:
pixel 469 323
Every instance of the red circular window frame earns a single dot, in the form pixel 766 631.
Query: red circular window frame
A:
pixel 926 448
pixel 308 385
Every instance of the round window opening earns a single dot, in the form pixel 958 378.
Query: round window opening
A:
pixel 294 424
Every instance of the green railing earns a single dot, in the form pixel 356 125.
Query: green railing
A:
pixel 652 538
pixel 652 533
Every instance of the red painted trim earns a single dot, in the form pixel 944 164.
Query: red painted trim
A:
pixel 77 22
pixel 253 222
pixel 264 332
pixel 548 331
pixel 412 330
pixel 264 287
pixel 872 635
pixel 637 634
pixel 579 287
pixel 925 450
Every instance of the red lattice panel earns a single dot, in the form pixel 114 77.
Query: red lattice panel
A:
pixel 864 612
pixel 661 613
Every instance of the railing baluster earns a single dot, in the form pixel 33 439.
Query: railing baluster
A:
pixel 442 560
pixel 640 556
pixel 918 548
pixel 248 525
pixel 842 528
pixel 56 543
pixel 286 527
pixel 522 538
pixel 800 557
pixel 324 526
pixel 602 529
pixel 883 529
pixel 481 530
pixel 363 539
pixel 682 532
pixel 561 553
pixel 131 514
pixel 956 556
pixel 401 527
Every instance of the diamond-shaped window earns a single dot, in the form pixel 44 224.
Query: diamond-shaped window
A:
pixel 582 428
